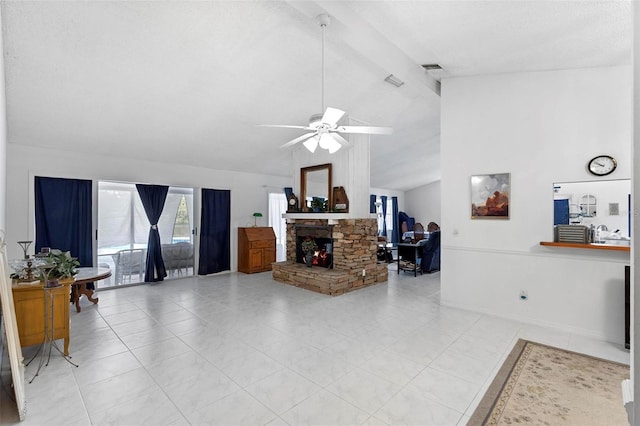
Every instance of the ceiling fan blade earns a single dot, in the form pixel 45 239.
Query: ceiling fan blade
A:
pixel 331 116
pixel 339 138
pixel 299 139
pixel 285 126
pixel 366 130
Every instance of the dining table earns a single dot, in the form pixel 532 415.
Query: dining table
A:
pixel 85 276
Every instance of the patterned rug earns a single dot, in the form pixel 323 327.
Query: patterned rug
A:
pixel 539 384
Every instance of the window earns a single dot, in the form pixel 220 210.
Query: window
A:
pixel 388 218
pixel 278 206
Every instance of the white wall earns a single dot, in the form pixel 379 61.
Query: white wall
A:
pixel 542 128
pixel 423 203
pixel 249 192
pixel 3 140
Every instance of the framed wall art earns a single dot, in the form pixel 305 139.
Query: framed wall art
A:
pixel 490 196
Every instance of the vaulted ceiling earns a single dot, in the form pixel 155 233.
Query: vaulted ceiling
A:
pixel 189 81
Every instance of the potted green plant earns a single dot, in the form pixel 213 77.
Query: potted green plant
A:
pixel 60 265
pixel 318 204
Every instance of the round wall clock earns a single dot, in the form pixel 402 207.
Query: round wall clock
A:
pixel 602 165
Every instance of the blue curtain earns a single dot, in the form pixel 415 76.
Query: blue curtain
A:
pixel 394 215
pixel 372 203
pixel 153 197
pixel 560 212
pixel 215 232
pixel 63 216
pixel 383 198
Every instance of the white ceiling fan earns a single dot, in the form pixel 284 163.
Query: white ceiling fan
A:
pixel 323 129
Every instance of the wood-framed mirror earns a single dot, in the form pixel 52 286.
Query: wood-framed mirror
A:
pixel 315 181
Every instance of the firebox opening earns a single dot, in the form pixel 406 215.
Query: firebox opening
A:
pixel 323 236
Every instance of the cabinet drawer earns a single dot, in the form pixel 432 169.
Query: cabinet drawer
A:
pixel 262 244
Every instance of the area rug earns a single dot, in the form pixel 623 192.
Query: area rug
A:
pixel 540 384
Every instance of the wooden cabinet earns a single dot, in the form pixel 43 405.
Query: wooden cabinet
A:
pixel 256 249
pixel 29 301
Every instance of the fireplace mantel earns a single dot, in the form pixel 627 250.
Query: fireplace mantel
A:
pixel 326 216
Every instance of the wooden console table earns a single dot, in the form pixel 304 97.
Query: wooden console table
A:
pixel 30 310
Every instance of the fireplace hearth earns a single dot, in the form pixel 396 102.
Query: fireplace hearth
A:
pixel 352 244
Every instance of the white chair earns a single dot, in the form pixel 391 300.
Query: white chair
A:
pixel 129 264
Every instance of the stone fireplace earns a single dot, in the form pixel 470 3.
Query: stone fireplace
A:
pixel 353 245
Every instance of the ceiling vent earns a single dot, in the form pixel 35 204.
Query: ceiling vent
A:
pixel 392 79
pixel 432 67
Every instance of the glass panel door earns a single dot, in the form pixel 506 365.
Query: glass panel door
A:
pixel 123 232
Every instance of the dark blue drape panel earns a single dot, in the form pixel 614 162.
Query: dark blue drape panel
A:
pixel 372 203
pixel 215 232
pixel 383 198
pixel 560 212
pixel 63 216
pixel 396 227
pixel 153 197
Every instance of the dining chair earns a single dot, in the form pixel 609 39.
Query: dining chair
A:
pixel 418 232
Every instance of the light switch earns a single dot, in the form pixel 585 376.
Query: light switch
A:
pixel 614 209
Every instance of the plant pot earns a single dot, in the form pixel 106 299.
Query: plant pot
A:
pixel 308 258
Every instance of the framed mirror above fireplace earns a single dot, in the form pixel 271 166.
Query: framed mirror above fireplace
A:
pixel 315 181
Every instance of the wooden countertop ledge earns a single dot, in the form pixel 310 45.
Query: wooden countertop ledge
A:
pixel 613 247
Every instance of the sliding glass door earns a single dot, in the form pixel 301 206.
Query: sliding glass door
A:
pixel 123 232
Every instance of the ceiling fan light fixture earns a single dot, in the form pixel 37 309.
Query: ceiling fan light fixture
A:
pixel 311 144
pixel 335 146
pixel 325 141
pixel 328 142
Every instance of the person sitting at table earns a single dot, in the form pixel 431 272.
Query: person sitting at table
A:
pixel 431 250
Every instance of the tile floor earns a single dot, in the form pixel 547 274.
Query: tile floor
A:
pixel 240 349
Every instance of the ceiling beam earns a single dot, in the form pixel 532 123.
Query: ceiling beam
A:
pixel 358 33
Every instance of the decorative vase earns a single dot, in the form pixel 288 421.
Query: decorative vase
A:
pixel 308 258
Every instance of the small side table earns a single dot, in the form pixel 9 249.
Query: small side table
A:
pixel 49 339
pixel 410 253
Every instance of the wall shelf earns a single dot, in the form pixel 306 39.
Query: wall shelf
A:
pixel 612 247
